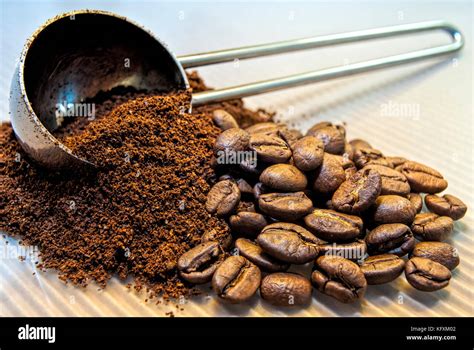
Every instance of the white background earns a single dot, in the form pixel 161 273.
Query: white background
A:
pixel 440 134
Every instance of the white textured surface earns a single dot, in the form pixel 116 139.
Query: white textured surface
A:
pixel 440 134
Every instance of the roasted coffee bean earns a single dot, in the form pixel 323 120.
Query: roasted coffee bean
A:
pixel 244 186
pixel 381 161
pixel 289 242
pixel 284 177
pixel 224 238
pixel 271 149
pixel 432 227
pixel 330 175
pixel 442 253
pixel 308 153
pixel 393 209
pixel 260 117
pixel 290 135
pixel 426 275
pixel 252 166
pixel 416 200
pixel 255 254
pixel 224 120
pixel 332 136
pixel 364 156
pixel 384 268
pixel 339 278
pixel 391 239
pixel 285 206
pixel 357 193
pixel 348 151
pixel 395 161
pixel 350 171
pixel 393 181
pixel 332 226
pixel 226 177
pixel 286 289
pixel 267 128
pixel 448 205
pixel 259 189
pixel 198 264
pixel 231 141
pixel 354 251
pixel 236 279
pixel 223 198
pixel 358 143
pixel 347 164
pixel 245 206
pixel 422 178
pixel 345 161
pixel 247 223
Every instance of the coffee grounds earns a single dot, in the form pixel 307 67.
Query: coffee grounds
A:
pixel 139 212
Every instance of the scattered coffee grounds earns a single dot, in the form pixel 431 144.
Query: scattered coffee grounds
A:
pixel 139 212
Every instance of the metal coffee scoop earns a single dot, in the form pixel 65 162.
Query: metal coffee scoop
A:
pixel 77 54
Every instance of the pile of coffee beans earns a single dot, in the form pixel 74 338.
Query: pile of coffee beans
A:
pixel 343 206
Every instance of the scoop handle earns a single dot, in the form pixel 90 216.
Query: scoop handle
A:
pixel 202 59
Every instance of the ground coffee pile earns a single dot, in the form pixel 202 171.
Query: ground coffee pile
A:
pixel 142 210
